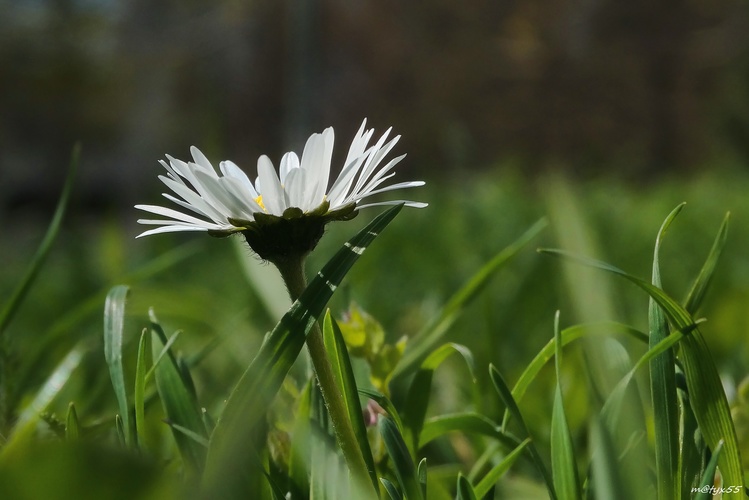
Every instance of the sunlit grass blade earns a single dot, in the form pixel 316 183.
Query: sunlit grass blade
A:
pixel 663 387
pixel 24 429
pixel 72 425
pixel 563 465
pixel 702 283
pixel 506 396
pixel 403 466
pixel 16 298
pixel 139 393
pixel 468 423
pixel 427 339
pixel 495 473
pixel 692 449
pixel 568 335
pixel 262 379
pixel 605 468
pixel 706 488
pixel 420 389
pixel 180 406
pixel 465 489
pixel 706 393
pixel 344 373
pixel 114 325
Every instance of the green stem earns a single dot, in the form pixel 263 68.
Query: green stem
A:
pixel 292 271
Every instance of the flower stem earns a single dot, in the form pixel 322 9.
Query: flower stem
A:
pixel 292 271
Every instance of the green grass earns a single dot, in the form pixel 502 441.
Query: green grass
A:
pixel 460 277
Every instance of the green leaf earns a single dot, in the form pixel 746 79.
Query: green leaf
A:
pixel 506 395
pixel 24 429
pixel 139 394
pixel 710 405
pixel 386 405
pixel 563 465
pixel 706 488
pixel 425 341
pixel 72 425
pixel 663 387
pixel 568 335
pixel 18 295
pixel 391 489
pixel 300 454
pixel 403 466
pixel 468 423
pixel 178 399
pixel 421 472
pixel 421 388
pixel 344 375
pixel 114 324
pixel 496 472
pixel 262 379
pixel 465 489
pixel 702 283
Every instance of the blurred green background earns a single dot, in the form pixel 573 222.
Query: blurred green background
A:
pixel 601 116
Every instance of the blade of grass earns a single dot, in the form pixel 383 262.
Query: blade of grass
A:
pixel 506 395
pixel 392 491
pixel 496 472
pixel 344 373
pixel 705 489
pixel 262 379
pixel 563 465
pixel 663 387
pixel 403 466
pixel 72 425
pixel 114 325
pixel 465 489
pixel 468 423
pixel 425 341
pixel 605 469
pixel 178 399
pixel 421 472
pixel 702 282
pixel 710 405
pixel 16 298
pixel 139 394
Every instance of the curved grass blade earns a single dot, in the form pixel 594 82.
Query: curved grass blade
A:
pixel 421 472
pixel 403 466
pixel 344 374
pixel 114 324
pixel 468 423
pixel 563 466
pixel 706 393
pixel 392 491
pixel 663 386
pixel 425 341
pixel 496 472
pixel 180 405
pixel 702 283
pixel 568 335
pixel 16 298
pixel 421 388
pixel 139 394
pixel 506 395
pixel 465 489
pixel 386 405
pixel 27 421
pixel 262 379
pixel 706 488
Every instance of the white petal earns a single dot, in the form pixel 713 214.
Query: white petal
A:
pixel 201 160
pixel 342 184
pixel 392 187
pixel 168 212
pixel 289 162
pixel 169 229
pixel 192 198
pixel 230 169
pixel 295 188
pixel 412 204
pixel 274 198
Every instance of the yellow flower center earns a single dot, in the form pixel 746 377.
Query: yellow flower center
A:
pixel 259 201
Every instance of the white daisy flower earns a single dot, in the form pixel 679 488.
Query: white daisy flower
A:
pixel 229 202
